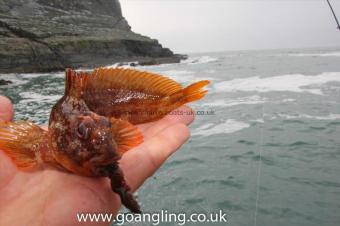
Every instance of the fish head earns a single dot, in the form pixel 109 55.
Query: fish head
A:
pixel 95 135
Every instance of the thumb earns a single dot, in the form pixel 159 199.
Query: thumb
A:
pixel 7 169
pixel 6 109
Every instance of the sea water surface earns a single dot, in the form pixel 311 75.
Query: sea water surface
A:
pixel 268 151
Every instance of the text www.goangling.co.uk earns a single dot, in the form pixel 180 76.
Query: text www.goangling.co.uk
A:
pixel 154 218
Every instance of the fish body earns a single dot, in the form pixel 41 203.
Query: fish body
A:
pixel 92 125
pixel 136 96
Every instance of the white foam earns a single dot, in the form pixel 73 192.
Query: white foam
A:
pixel 37 97
pixel 229 126
pixel 292 83
pixel 59 75
pixel 123 65
pixel 177 72
pixel 14 78
pixel 183 76
pixel 21 79
pixel 259 120
pixel 189 60
pixel 248 100
pixel 179 76
pixel 210 71
pixel 238 101
pixel 329 54
pixel 288 100
pixel 33 75
pixel 199 60
pixel 331 116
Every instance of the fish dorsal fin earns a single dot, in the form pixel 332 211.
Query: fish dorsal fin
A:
pixel 130 79
pixel 125 135
pixel 75 82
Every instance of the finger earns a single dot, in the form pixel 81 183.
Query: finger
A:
pixel 139 164
pixel 6 109
pixel 182 115
pixel 7 169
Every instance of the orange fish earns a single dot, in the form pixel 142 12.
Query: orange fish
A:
pixel 92 125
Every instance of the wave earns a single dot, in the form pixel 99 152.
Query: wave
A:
pixel 238 101
pixel 14 78
pixel 248 100
pixel 199 60
pixel 223 182
pixel 24 78
pixel 287 100
pixel 37 97
pixel 177 72
pixel 189 60
pixel 331 116
pixel 37 75
pixel 210 71
pixel 180 76
pixel 329 54
pixel 229 126
pixel 184 76
pixel 292 82
pixel 258 120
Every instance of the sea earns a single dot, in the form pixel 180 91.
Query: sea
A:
pixel 265 144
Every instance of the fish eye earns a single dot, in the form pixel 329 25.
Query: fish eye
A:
pixel 104 121
pixel 83 131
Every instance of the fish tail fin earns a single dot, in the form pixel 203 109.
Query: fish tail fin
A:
pixel 125 135
pixel 21 141
pixel 191 93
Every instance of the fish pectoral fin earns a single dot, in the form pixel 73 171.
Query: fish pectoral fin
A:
pixel 125 135
pixel 22 141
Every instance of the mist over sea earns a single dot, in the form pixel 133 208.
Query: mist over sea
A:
pixel 265 147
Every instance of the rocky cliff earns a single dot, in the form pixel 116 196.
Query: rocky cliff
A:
pixel 48 35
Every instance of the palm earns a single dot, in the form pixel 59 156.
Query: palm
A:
pixel 52 197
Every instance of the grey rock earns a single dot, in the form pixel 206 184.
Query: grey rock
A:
pixel 50 35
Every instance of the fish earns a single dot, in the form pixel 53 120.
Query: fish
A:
pixel 94 124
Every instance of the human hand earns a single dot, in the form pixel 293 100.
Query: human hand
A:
pixel 54 198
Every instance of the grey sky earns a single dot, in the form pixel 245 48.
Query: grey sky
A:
pixel 217 25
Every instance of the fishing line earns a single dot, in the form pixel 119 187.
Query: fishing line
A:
pixel 336 19
pixel 258 174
